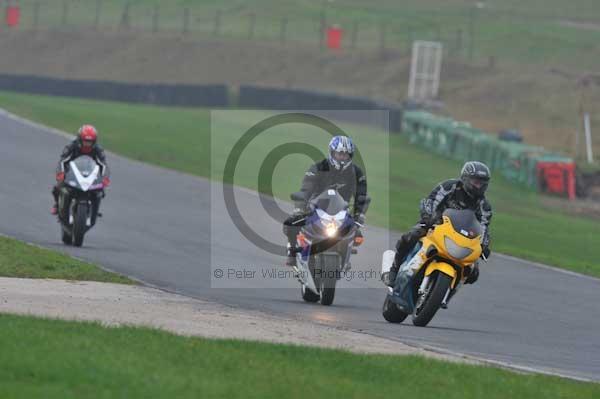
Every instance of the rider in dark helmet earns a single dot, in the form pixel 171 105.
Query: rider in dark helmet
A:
pixel 337 170
pixel 468 192
pixel 84 144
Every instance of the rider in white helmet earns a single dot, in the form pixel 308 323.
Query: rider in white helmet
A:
pixel 338 171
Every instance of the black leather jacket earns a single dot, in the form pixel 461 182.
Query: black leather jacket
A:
pixel 350 183
pixel 450 194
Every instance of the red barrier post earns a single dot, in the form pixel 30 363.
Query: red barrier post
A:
pixel 557 178
pixel 334 37
pixel 13 16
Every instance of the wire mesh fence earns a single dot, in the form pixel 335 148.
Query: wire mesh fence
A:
pixel 211 21
pixel 471 30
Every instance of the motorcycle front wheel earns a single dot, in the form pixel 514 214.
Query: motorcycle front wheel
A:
pixel 308 295
pixel 434 295
pixel 80 224
pixel 327 288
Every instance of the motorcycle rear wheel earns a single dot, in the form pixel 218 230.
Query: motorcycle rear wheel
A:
pixel 391 312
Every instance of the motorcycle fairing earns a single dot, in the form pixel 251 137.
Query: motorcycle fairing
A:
pixel 402 293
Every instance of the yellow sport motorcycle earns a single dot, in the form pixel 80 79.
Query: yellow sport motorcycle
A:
pixel 434 270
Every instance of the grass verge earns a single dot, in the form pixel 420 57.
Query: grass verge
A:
pixel 180 139
pixel 59 359
pixel 18 259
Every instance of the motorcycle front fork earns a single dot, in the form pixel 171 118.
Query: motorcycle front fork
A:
pixel 449 294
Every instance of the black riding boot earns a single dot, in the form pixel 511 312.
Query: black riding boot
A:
pixel 291 232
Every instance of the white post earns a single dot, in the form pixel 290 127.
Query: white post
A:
pixel 588 138
pixel 413 72
pixel 425 70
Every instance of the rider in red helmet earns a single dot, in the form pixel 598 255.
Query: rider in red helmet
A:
pixel 84 144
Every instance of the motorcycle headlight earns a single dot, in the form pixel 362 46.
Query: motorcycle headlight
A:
pixel 330 223
pixel 455 250
pixel 331 229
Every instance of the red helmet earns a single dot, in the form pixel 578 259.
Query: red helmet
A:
pixel 87 137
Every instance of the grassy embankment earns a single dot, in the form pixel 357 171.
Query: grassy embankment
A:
pixel 18 259
pixel 58 359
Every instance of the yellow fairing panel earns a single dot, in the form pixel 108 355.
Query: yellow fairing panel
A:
pixel 443 268
pixel 446 230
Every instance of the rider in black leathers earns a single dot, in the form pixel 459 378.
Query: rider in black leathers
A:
pixel 468 192
pixel 337 171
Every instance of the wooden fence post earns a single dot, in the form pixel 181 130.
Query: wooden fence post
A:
pixel 155 18
pixel 251 25
pixel 125 18
pixel 65 13
pixel 186 21
pixel 354 35
pixel 97 14
pixel 36 15
pixel 283 30
pixel 217 28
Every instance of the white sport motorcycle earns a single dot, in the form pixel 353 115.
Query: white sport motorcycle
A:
pixel 79 199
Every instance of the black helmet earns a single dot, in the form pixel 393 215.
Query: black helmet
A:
pixel 475 177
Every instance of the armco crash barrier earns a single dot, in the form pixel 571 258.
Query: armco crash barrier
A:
pixel 159 94
pixel 525 164
pixel 276 98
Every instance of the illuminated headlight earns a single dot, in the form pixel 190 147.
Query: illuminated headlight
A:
pixel 331 229
pixel 331 223
pixel 455 250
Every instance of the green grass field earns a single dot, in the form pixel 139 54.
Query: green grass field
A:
pixel 58 359
pixel 18 259
pixel 525 32
pixel 180 139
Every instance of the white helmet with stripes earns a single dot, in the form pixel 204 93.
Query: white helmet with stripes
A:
pixel 341 151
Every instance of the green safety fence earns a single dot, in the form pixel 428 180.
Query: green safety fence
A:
pixel 460 141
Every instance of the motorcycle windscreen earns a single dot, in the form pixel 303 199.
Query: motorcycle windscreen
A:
pixel 84 173
pixel 330 201
pixel 464 222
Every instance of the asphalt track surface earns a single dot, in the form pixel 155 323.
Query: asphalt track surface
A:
pixel 172 231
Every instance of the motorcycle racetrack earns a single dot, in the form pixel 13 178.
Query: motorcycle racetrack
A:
pixel 171 230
